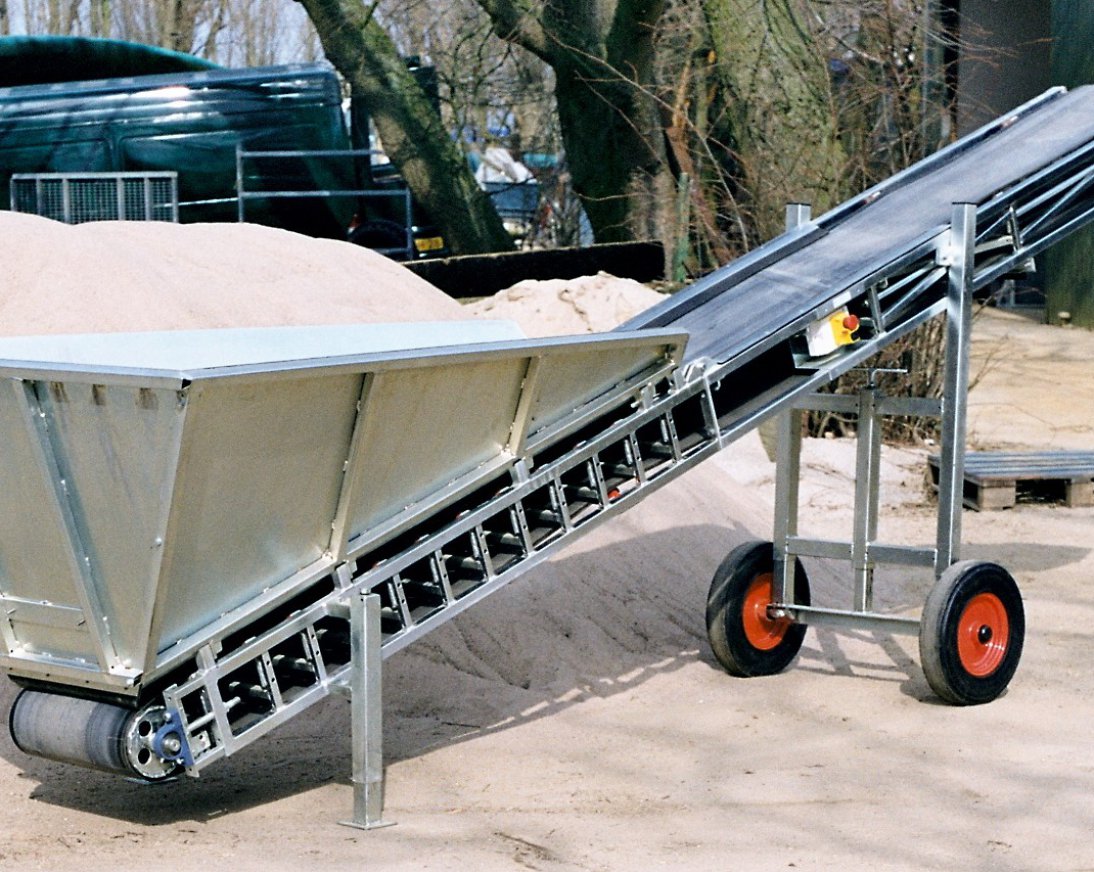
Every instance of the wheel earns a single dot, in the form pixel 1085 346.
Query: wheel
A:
pixel 382 234
pixel 971 633
pixel 746 641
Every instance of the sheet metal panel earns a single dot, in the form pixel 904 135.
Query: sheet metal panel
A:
pixel 117 447
pixel 142 508
pixel 35 573
pixel 255 492
pixel 565 383
pixel 185 350
pixel 425 428
pixel 31 546
pixel 426 431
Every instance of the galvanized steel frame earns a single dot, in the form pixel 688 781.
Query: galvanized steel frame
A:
pixel 935 276
pixel 119 181
pixel 243 195
pixel 430 568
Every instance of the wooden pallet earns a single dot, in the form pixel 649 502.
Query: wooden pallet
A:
pixel 999 479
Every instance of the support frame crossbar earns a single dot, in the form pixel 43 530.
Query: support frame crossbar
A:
pixel 864 552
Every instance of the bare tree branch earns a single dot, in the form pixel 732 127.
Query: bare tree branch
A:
pixel 520 22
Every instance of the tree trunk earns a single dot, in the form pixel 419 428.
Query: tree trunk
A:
pixel 603 58
pixel 413 135
pixel 774 80
pixel 99 24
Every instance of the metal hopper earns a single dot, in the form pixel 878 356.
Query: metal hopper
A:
pixel 161 487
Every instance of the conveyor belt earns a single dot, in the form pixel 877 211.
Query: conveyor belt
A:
pixel 738 309
pixel 554 437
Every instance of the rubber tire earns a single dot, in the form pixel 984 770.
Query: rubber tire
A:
pixel 940 626
pixel 725 613
pixel 381 233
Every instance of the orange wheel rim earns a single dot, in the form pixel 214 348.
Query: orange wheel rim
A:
pixel 983 631
pixel 762 631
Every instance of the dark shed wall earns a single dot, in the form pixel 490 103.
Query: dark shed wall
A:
pixel 1005 57
pixel 1069 266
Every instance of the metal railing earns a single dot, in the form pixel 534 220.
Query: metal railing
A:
pixel 243 195
pixel 110 196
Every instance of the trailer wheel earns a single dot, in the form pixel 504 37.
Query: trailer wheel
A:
pixel 744 638
pixel 971 633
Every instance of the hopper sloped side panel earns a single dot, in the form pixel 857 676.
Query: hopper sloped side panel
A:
pixel 567 382
pixel 260 471
pixel 117 447
pixel 431 434
pixel 43 618
pixel 424 428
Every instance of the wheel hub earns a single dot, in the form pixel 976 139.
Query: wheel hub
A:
pixel 983 632
pixel 763 630
pixel 150 736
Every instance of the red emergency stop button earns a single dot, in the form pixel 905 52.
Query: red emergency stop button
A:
pixel 850 323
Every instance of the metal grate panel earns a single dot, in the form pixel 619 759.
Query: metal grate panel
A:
pixel 78 197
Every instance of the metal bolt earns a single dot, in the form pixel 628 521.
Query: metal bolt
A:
pixel 171 745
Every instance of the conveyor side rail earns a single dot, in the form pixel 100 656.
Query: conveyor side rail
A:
pixel 1030 175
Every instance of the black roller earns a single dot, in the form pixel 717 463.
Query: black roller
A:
pixel 70 730
pixel 97 735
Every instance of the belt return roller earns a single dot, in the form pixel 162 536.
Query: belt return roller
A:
pixel 143 743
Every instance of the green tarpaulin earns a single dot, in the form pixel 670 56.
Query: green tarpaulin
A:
pixel 40 60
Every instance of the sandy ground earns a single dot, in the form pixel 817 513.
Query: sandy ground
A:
pixel 577 721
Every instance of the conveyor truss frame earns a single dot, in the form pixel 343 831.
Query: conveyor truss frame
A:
pixel 381 595
pixel 446 565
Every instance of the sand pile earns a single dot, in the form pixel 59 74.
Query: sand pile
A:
pixel 114 276
pixel 568 618
pixel 589 304
pixel 615 604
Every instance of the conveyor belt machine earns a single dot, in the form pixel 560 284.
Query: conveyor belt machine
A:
pixel 203 534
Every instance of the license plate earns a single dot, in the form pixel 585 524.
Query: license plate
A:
pixel 430 243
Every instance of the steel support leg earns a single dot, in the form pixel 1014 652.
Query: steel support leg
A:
pixel 797 214
pixel 788 441
pixel 787 481
pixel 366 700
pixel 867 495
pixel 951 478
